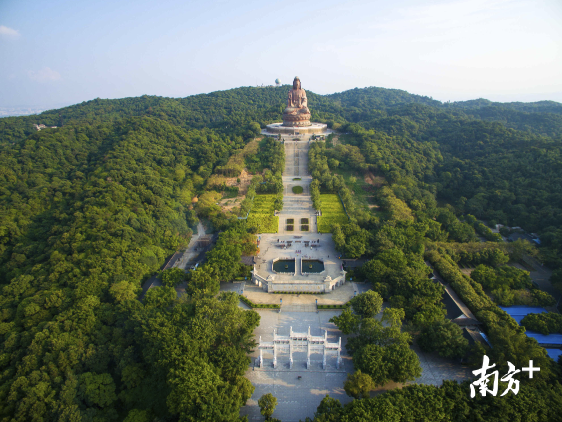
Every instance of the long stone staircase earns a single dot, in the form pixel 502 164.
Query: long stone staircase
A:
pixel 296 206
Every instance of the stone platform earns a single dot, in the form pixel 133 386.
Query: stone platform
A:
pixel 314 128
pixel 274 246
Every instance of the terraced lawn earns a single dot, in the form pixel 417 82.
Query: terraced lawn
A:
pixel 261 214
pixel 332 212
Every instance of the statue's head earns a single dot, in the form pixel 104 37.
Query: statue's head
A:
pixel 296 83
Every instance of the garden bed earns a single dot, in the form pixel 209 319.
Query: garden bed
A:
pixel 332 213
pixel 257 305
pixel 333 306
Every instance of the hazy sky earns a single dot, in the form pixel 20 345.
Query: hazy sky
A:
pixel 59 52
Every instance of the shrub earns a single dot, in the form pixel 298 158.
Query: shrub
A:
pixel 542 298
pixel 545 323
pixel 304 220
pixel 333 306
pixel 256 305
pixel 304 228
pixel 290 228
pixel 297 189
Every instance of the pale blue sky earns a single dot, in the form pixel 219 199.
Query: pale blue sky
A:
pixel 58 52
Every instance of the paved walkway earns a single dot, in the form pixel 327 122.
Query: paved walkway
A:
pixel 296 206
pixel 296 398
pixel 462 306
pixel 291 244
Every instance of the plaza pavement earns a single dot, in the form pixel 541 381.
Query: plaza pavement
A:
pixel 296 398
pixel 273 246
pixel 299 398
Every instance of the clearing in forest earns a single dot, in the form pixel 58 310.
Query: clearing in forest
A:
pixel 332 212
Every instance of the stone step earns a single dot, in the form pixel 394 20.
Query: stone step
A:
pixel 298 308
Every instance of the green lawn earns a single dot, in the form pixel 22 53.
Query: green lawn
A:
pixel 261 214
pixel 332 212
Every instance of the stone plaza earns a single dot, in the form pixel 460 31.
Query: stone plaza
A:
pixel 298 389
pixel 292 243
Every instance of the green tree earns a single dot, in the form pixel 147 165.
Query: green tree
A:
pixel 395 362
pixel 202 282
pixel 347 322
pixel 123 291
pixel 367 304
pixel 328 406
pixel 172 277
pixel 444 337
pixel 97 389
pixel 136 415
pixel 404 364
pixel 370 360
pixel 267 404
pixel 358 385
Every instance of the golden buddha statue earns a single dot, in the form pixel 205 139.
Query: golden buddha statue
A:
pixel 297 112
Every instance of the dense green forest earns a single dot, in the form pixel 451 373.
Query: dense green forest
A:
pixel 90 210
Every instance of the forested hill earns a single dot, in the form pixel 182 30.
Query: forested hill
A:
pixel 375 97
pixel 91 209
pixel 222 110
pixel 542 117
pixel 218 110
pixel 87 212
pixel 239 106
pixel 489 169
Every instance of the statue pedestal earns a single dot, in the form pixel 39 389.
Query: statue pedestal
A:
pixel 314 128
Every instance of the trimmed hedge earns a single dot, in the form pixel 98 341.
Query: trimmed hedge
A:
pixel 333 306
pixel 298 293
pixel 297 189
pixel 469 291
pixel 257 305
